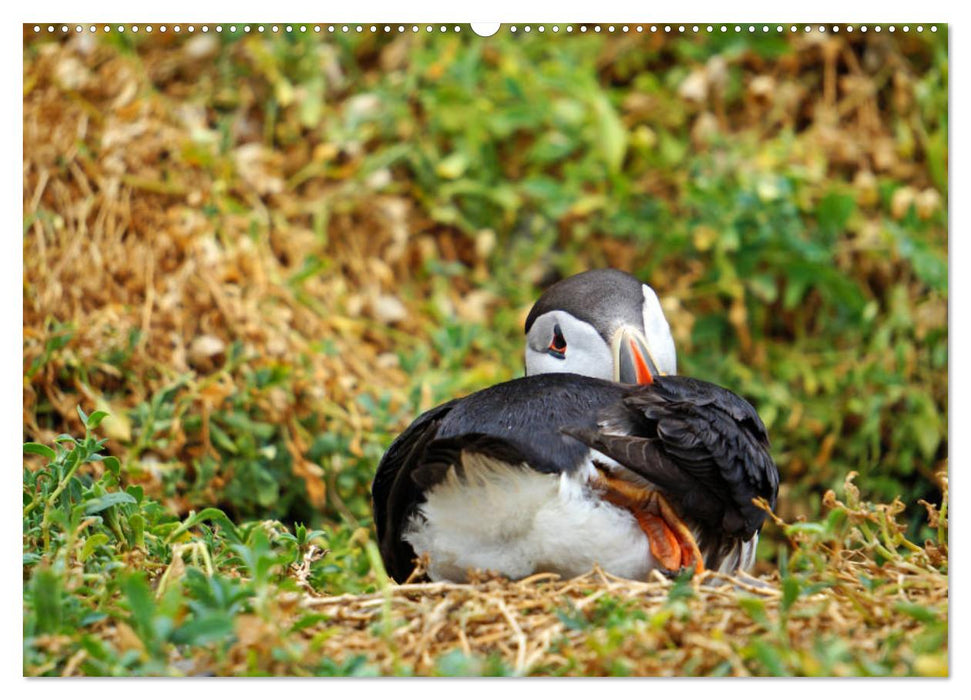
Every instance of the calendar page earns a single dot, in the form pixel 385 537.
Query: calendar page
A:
pixel 511 349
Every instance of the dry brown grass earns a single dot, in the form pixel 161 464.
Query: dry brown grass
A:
pixel 543 625
pixel 523 623
pixel 116 179
pixel 597 624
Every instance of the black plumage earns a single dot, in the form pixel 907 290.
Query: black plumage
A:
pixel 704 447
pixel 698 443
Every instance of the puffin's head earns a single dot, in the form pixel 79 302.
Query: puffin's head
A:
pixel 600 323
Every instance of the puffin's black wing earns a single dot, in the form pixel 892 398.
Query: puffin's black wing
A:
pixel 442 455
pixel 516 423
pixel 394 492
pixel 698 442
pixel 421 457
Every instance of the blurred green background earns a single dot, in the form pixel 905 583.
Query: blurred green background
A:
pixel 263 254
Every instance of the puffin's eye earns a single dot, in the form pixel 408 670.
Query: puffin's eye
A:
pixel 557 346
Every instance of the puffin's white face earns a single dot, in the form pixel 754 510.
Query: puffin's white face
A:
pixel 560 342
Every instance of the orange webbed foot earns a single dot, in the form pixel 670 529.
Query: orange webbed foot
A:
pixel 671 542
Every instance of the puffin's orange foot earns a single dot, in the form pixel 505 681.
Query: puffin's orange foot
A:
pixel 672 544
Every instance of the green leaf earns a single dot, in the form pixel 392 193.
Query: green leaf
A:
pixel 45 588
pixel 832 214
pixel 673 149
pixel 809 528
pixel 94 420
pixel 91 618
pixel 72 458
pixel 311 106
pixel 91 544
pixel 140 602
pixel 35 448
pixel 612 136
pixel 213 514
pixel 96 505
pixel 455 663
pixel 84 416
pixel 112 465
pixel 682 588
pixel 755 609
pixel 137 523
pixel 221 439
pixel 937 160
pixel 796 286
pixel 918 612
pixel 764 287
pixel 790 592
pixel 572 619
pixel 835 520
pixel 926 427
pixel 212 628
pixel 770 657
pixel 452 167
pixel 308 620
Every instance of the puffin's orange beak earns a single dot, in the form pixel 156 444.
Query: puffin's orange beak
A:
pixel 633 363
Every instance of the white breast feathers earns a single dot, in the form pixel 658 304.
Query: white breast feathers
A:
pixel 515 521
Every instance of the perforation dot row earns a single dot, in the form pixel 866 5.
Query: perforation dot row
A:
pixel 246 28
pixel 414 28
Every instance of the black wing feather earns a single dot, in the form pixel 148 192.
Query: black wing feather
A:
pixel 394 492
pixel 445 453
pixel 417 461
pixel 702 444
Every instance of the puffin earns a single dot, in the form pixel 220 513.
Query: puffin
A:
pixel 600 455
